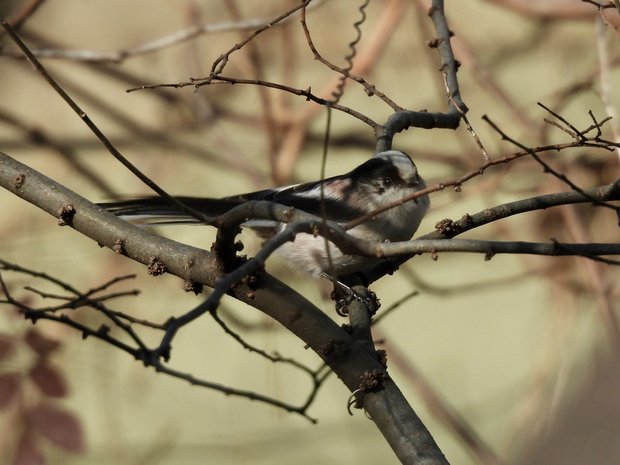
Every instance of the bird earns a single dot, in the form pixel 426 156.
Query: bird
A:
pixel 386 178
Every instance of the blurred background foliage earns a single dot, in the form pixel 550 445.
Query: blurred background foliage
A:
pixel 506 345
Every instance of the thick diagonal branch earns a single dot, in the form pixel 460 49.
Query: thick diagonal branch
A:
pixel 388 408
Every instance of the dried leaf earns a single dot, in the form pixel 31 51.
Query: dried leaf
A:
pixel 7 347
pixel 40 343
pixel 27 453
pixel 49 379
pixel 9 387
pixel 59 426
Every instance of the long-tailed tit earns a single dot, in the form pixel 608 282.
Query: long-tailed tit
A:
pixel 384 179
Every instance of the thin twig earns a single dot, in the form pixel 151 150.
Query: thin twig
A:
pixel 345 73
pixel 140 351
pixel 156 44
pixel 275 358
pixel 546 167
pixel 96 131
pixel 218 65
pixel 307 93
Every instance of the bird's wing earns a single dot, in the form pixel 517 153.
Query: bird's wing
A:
pixel 307 197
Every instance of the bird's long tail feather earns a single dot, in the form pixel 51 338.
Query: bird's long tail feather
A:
pixel 157 210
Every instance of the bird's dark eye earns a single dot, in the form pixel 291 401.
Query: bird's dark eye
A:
pixel 386 183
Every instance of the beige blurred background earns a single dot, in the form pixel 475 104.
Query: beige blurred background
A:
pixel 506 343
